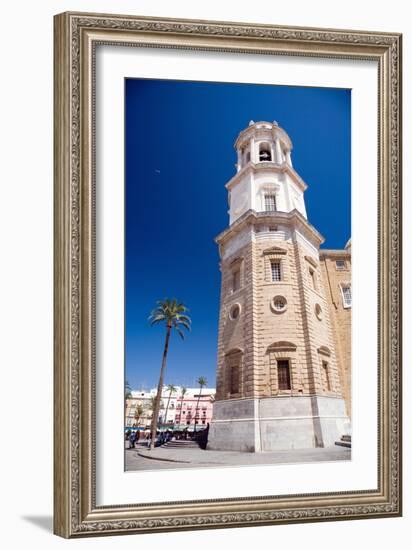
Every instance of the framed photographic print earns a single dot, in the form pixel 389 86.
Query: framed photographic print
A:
pixel 227 274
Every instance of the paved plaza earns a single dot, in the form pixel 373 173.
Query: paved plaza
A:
pixel 189 455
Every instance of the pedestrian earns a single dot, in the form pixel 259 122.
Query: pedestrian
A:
pixel 132 437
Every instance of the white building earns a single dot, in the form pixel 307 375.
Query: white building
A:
pixel 139 406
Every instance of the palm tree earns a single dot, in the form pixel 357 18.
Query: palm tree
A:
pixel 202 383
pixel 127 395
pixel 183 392
pixel 174 315
pixel 172 389
pixel 138 412
pixel 127 390
pixel 150 405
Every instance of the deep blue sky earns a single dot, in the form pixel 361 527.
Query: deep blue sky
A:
pixel 179 155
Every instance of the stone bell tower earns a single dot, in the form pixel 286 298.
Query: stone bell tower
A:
pixel 278 383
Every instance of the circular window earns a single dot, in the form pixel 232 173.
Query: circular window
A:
pixel 318 312
pixel 278 304
pixel 234 312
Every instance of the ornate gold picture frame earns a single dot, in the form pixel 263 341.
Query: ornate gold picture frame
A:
pixel 76 511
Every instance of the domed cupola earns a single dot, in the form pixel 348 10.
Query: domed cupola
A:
pixel 265 178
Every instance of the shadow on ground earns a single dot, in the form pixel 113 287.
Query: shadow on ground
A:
pixel 43 522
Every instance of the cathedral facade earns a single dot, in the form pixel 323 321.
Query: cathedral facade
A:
pixel 283 374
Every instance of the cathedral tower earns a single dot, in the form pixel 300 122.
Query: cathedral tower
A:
pixel 278 382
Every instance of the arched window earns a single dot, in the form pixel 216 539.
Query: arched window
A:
pixel 265 154
pixel 312 275
pixel 236 274
pixel 270 202
pixel 283 374
pixel 282 357
pixel 346 295
pixel 233 362
pixel 234 379
pixel 326 376
pixel 235 279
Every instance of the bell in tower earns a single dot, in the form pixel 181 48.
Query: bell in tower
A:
pixel 278 383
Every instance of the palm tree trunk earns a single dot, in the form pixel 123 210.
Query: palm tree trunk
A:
pixel 167 407
pixel 197 406
pixel 159 389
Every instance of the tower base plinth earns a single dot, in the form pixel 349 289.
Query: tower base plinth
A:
pixel 277 423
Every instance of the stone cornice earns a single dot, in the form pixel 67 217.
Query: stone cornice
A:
pixel 234 351
pixel 329 253
pixel 251 217
pixel 324 350
pixel 255 130
pixel 311 261
pixel 237 260
pixel 274 250
pixel 282 346
pixel 267 167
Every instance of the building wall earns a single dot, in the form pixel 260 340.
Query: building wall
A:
pixel 191 409
pixel 260 336
pixel 174 414
pixel 143 399
pixel 340 315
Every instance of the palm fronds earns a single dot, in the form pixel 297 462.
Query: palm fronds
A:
pixel 173 313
